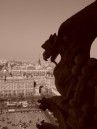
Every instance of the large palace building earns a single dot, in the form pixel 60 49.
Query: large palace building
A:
pixel 27 80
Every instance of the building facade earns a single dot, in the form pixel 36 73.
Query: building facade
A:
pixel 16 87
pixel 20 81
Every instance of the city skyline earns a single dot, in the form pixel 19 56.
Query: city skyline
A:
pixel 26 24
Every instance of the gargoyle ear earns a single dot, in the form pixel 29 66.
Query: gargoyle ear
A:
pixel 54 34
pixel 50 36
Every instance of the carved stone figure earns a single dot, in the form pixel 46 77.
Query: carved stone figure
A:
pixel 75 74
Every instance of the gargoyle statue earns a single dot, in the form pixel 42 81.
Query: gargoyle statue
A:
pixel 75 74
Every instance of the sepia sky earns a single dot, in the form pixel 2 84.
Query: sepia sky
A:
pixel 26 24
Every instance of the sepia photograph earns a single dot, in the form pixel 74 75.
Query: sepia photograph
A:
pixel 48 64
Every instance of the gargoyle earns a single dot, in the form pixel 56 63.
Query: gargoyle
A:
pixel 50 49
pixel 76 73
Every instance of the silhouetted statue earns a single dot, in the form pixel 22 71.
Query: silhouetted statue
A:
pixel 75 74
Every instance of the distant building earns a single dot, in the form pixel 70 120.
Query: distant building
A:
pixel 20 79
pixel 16 87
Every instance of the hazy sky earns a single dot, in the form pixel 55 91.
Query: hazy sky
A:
pixel 26 24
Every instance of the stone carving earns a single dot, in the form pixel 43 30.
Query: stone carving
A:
pixel 75 74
